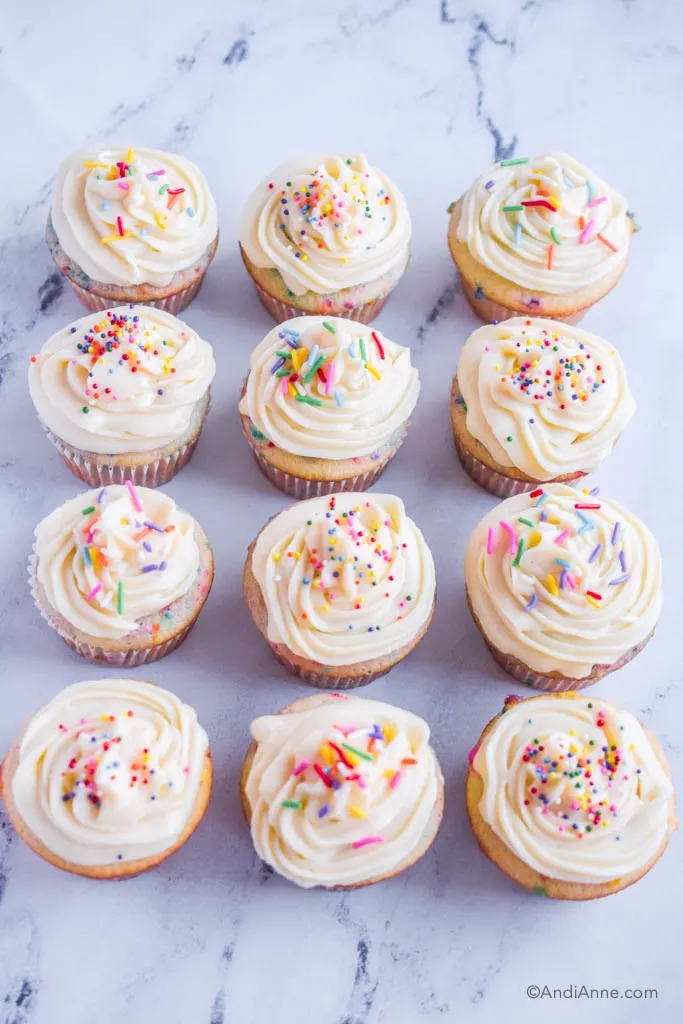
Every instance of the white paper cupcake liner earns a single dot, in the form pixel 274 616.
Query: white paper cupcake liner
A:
pixel 88 467
pixel 175 303
pixel 300 488
pixel 325 680
pixel 362 312
pixel 493 312
pixel 497 483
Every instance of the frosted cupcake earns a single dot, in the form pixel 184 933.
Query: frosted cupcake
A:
pixel 342 588
pixel 341 792
pixel 564 587
pixel 123 395
pixel 326 235
pixel 571 797
pixel 132 225
pixel 326 405
pixel 536 401
pixel 541 236
pixel 109 778
pixel 121 574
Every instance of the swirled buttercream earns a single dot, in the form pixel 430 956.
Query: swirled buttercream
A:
pixel 326 223
pixel 109 771
pixel 547 223
pixel 134 216
pixel 342 793
pixel 127 380
pixel 108 558
pixel 543 397
pixel 345 579
pixel 573 788
pixel 563 581
pixel 329 388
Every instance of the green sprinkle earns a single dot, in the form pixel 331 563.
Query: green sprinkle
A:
pixel 164 188
pixel 509 439
pixel 314 369
pixel 363 350
pixel 451 207
pixel 514 161
pixel 119 598
pixel 296 805
pixel 527 522
pixel 512 209
pixel 520 551
pixel 329 327
pixel 308 400
pixel 85 409
pixel 283 373
pixel 555 237
pixel 88 510
pixel 284 354
pixel 539 890
pixel 357 752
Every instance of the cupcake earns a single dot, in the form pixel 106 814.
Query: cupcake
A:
pixel 570 797
pixel 341 793
pixel 121 574
pixel 535 402
pixel 564 586
pixel 542 236
pixel 109 778
pixel 342 587
pixel 132 225
pixel 123 394
pixel 326 405
pixel 327 235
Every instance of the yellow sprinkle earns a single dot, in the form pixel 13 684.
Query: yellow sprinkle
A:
pixel 276 556
pixel 554 520
pixel 292 390
pixel 605 824
pixel 297 556
pixel 497 367
pixel 160 220
pixel 373 371
pixel 569 695
pixel 596 604
pixel 552 585
pixel 389 732
pixel 389 773
pixel 94 163
pixel 534 539
pixel 299 357
pixel 108 239
pixel 357 812
pixel 130 156
pixel 572 732
pixel 325 608
pixel 327 754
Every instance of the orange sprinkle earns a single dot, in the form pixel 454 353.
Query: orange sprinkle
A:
pixel 607 243
pixel 551 249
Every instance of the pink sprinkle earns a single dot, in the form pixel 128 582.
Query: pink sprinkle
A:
pixel 301 767
pixel 570 581
pixel 583 237
pixel 563 536
pixel 137 504
pixel 511 534
pixel 330 375
pixel 473 753
pixel 157 173
pixel 367 841
pixel 395 780
pixel 285 386
pixel 94 592
pixel 596 202
pixel 491 542
pixel 123 185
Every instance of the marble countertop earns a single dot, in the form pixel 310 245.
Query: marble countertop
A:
pixel 432 92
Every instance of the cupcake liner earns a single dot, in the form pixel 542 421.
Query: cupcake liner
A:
pixel 102 655
pixel 497 483
pixel 551 684
pixel 324 680
pixel 491 312
pixel 299 487
pixel 363 312
pixel 88 467
pixel 175 303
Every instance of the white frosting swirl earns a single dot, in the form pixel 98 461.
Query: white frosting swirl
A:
pixel 108 558
pixel 126 380
pixel 109 771
pixel 132 216
pixel 574 789
pixel 575 232
pixel 356 388
pixel 544 397
pixel 345 579
pixel 342 793
pixel 563 581
pixel 326 223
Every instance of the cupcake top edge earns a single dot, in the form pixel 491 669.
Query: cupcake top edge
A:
pixel 326 223
pixel 564 580
pixel 330 388
pixel 574 788
pixel 132 216
pixel 109 558
pixel 123 380
pixel 546 223
pixel 109 771
pixel 345 578
pixel 543 397
pixel 342 793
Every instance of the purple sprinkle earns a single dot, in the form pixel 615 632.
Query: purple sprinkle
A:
pixel 150 568
pixel 325 809
pixel 163 566
pixel 622 561
pixel 489 184
pixel 543 516
pixel 594 554
pixel 563 579
pixel 278 365
pixel 595 492
pixel 153 526
pixel 101 495
pixel 620 579
pixel 615 532
pixel 146 545
pixel 532 602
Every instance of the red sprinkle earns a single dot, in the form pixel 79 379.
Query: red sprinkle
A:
pixel 340 754
pixel 591 593
pixel 537 493
pixel 321 374
pixel 119 224
pixel 539 202
pixel 587 506
pixel 323 775
pixel 378 343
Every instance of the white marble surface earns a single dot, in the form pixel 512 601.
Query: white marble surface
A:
pixel 432 92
